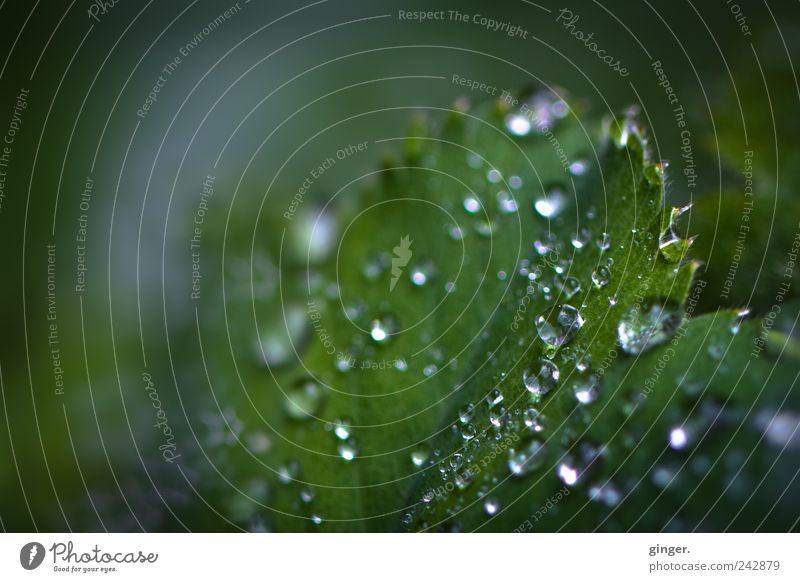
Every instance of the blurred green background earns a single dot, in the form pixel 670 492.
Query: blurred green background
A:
pixel 257 102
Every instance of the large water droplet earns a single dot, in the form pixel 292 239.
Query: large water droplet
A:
pixel 651 324
pixel 420 454
pixel 527 458
pixel 542 377
pixel 558 326
pixel 601 276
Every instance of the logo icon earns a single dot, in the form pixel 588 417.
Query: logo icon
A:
pixel 31 555
pixel 402 254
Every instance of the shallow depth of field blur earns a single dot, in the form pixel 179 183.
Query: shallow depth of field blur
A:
pixel 193 215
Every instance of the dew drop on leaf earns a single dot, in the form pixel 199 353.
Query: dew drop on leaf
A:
pixel 527 458
pixel 651 324
pixel 559 326
pixel 541 377
pixel 601 276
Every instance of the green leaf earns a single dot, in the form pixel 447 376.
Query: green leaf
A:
pixel 409 376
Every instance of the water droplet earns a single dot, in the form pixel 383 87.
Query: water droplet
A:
pixel 578 167
pixel 527 458
pixel 506 203
pixel 471 204
pixel 558 326
pixel 348 449
pixel 583 362
pixel 518 125
pixel 652 324
pixel 621 129
pixel 534 420
pixel 468 432
pixel 491 506
pixel 276 345
pixel 552 202
pixel 716 351
pixel 604 242
pixel 542 377
pixel 466 412
pixel 567 474
pixel 498 416
pixel 307 494
pixel 678 438
pixel 569 286
pixel 601 276
pixel 420 454
pixel 288 472
pixel 342 428
pixel 781 429
pixel 494 176
pixel 304 400
pixel 606 494
pixel 586 391
pixel 494 397
pixel 662 477
pixel 455 232
pixel 581 238
pixel 316 519
pixel 515 182
pixel 422 273
pixel 382 329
